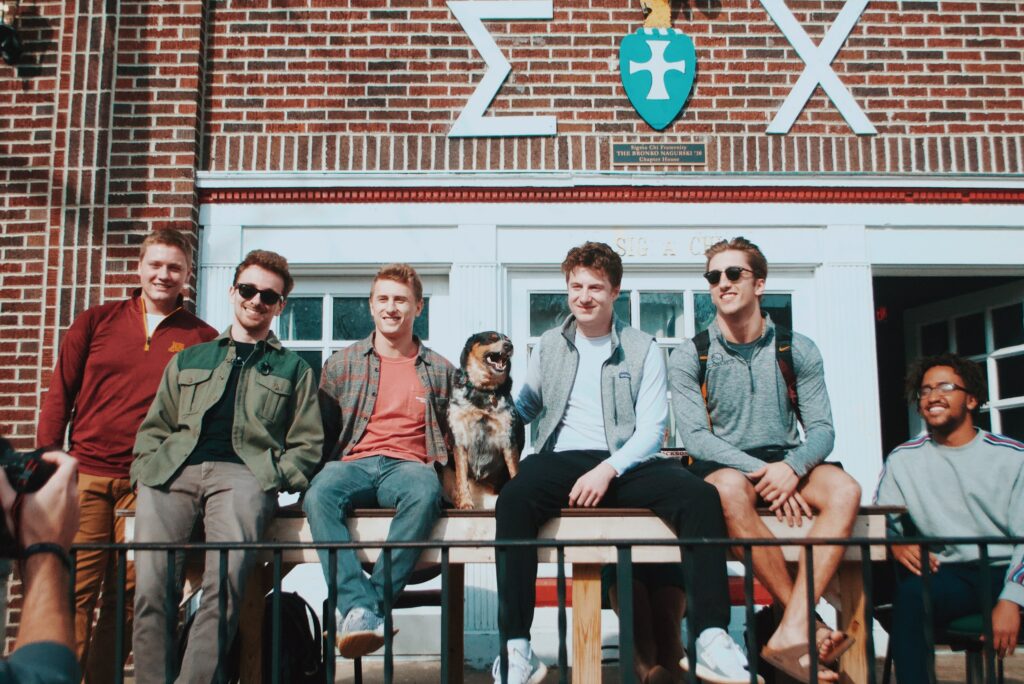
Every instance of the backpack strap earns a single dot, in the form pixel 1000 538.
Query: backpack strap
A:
pixel 784 357
pixel 702 341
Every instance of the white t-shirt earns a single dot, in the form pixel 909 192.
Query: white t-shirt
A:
pixel 153 320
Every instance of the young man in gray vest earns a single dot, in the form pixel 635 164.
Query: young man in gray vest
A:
pixel 956 480
pixel 738 420
pixel 596 394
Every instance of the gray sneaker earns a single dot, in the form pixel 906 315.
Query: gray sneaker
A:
pixel 719 659
pixel 523 668
pixel 360 633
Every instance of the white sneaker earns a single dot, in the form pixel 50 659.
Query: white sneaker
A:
pixel 523 668
pixel 719 659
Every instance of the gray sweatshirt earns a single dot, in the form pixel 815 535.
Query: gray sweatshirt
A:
pixel 749 403
pixel 969 491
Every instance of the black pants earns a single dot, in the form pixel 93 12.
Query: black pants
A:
pixel 675 495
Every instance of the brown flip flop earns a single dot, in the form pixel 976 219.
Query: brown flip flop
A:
pixel 787 660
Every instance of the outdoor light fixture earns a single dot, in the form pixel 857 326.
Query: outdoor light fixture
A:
pixel 10 43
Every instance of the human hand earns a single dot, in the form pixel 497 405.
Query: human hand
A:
pixel 774 481
pixel 792 509
pixel 1005 627
pixel 591 487
pixel 50 515
pixel 909 555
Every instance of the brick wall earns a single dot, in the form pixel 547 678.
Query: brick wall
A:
pixel 376 84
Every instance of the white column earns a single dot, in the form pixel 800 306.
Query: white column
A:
pixel 846 327
pixel 220 251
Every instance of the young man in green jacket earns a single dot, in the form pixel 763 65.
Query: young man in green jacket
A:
pixel 235 420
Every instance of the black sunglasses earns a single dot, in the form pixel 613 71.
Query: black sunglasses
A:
pixel 733 273
pixel 268 297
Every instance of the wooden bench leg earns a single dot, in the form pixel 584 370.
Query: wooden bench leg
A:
pixel 586 623
pixel 250 623
pixel 456 622
pixel 853 666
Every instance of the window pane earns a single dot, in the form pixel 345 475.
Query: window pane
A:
pixel 1010 372
pixel 970 334
pixel 1013 422
pixel 934 338
pixel 548 310
pixel 703 311
pixel 352 319
pixel 302 319
pixel 778 306
pixel 1008 325
pixel 661 313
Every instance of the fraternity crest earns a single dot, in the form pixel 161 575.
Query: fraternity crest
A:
pixel 657 67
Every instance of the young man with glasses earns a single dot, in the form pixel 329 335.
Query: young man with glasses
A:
pixel 108 369
pixel 740 392
pixel 956 480
pixel 384 401
pixel 595 392
pixel 235 421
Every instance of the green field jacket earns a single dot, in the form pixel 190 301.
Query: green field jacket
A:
pixel 277 431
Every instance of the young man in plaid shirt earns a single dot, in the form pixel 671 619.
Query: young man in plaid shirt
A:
pixel 383 401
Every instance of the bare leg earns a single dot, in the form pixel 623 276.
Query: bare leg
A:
pixel 667 620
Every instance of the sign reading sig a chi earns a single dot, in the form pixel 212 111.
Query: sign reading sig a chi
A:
pixel 657 65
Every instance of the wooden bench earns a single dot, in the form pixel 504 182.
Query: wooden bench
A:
pixel 371 526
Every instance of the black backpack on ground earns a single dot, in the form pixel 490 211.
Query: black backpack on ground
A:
pixel 301 658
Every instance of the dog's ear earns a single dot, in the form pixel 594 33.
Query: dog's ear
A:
pixel 466 349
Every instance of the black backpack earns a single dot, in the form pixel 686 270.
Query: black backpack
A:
pixel 301 658
pixel 783 356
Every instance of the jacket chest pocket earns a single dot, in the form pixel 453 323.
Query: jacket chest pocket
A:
pixel 194 383
pixel 271 397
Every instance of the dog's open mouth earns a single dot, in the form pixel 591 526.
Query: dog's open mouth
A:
pixel 497 361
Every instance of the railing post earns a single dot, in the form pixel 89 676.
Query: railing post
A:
pixel 624 590
pixel 389 664
pixel 121 555
pixel 691 633
pixel 929 625
pixel 748 599
pixel 812 651
pixel 563 651
pixel 275 616
pixel 170 618
pixel 499 557
pixel 222 614
pixel 869 610
pixel 986 612
pixel 445 616
pixel 330 623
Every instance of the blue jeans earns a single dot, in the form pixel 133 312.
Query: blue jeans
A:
pixel 373 482
pixel 955 591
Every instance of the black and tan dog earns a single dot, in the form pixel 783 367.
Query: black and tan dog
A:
pixel 486 429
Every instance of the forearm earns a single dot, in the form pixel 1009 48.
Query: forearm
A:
pixel 46 611
pixel 815 449
pixel 651 416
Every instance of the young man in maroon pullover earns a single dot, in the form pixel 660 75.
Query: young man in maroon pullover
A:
pixel 108 369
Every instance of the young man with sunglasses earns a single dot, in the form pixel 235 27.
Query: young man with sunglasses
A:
pixel 596 395
pixel 108 369
pixel 384 402
pixel 956 480
pixel 235 421
pixel 739 421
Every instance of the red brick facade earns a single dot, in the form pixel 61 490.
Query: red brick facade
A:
pixel 117 105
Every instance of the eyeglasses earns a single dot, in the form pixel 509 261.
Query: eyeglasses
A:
pixel 268 297
pixel 733 273
pixel 942 388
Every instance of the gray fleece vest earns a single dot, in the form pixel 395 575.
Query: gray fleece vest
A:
pixel 620 381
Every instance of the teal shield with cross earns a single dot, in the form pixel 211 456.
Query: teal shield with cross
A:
pixel 657 67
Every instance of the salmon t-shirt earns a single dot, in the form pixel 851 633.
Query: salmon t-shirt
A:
pixel 398 424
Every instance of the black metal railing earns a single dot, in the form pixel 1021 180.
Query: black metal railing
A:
pixel 624 548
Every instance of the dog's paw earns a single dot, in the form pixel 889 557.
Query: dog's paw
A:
pixel 464 505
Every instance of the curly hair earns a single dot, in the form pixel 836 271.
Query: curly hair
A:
pixel 758 263
pixel 970 374
pixel 400 273
pixel 597 256
pixel 270 261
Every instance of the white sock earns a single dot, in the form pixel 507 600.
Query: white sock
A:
pixel 521 645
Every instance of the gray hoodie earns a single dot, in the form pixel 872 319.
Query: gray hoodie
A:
pixel 748 404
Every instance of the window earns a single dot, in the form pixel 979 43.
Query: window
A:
pixel 988 328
